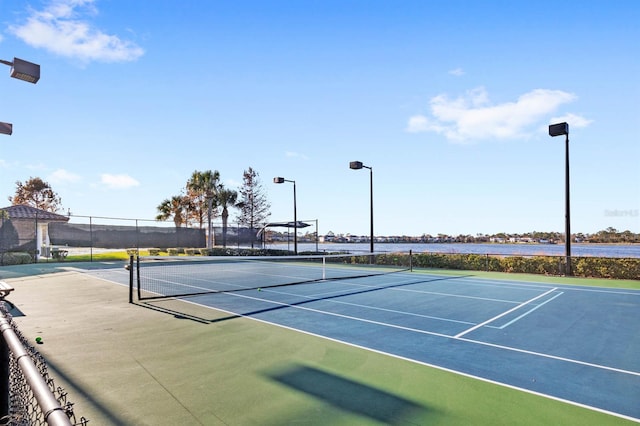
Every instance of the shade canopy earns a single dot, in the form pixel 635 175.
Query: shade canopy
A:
pixel 291 224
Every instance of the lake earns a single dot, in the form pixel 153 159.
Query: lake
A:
pixel 597 250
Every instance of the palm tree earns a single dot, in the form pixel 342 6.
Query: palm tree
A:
pixel 226 198
pixel 205 185
pixel 175 207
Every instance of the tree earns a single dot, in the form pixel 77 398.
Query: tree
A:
pixel 254 206
pixel 176 207
pixel 204 186
pixel 36 193
pixel 226 198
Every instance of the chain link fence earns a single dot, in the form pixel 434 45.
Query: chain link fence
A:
pixel 29 395
pixel 54 240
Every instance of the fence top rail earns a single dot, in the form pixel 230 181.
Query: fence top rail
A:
pixel 54 413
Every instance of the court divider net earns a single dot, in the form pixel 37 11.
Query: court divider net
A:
pixel 153 277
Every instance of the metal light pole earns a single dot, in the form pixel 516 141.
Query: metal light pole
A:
pixel 357 165
pixel 25 71
pixel 557 130
pixel 295 215
pixel 209 197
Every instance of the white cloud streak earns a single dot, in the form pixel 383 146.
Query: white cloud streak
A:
pixel 59 28
pixel 473 117
pixel 63 176
pixel 118 181
pixel 291 154
pixel 573 120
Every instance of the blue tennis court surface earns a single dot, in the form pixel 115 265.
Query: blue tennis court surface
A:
pixel 577 344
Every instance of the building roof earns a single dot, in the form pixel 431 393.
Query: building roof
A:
pixel 28 212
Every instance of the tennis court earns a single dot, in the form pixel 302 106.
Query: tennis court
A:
pixel 342 351
pixel 571 343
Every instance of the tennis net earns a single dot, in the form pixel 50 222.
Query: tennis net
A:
pixel 154 277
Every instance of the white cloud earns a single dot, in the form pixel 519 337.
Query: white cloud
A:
pixel 458 72
pixel 59 28
pixel 232 183
pixel 63 176
pixel 473 117
pixel 290 154
pixel 573 120
pixel 118 181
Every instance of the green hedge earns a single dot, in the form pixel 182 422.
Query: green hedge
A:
pixel 593 267
pixel 15 258
pixel 607 267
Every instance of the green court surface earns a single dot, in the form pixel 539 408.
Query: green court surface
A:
pixel 172 362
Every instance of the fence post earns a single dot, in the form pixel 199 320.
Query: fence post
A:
pixel 131 279
pixel 560 268
pixel 91 238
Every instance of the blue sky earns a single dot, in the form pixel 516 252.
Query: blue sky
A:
pixel 448 101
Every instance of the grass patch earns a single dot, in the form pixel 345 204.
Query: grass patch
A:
pixel 578 281
pixel 100 257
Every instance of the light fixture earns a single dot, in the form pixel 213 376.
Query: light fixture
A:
pixel 24 70
pixel 295 215
pixel 357 165
pixel 6 128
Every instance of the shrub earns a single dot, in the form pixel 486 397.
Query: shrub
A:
pixel 154 251
pixel 592 267
pixel 15 258
pixel 607 267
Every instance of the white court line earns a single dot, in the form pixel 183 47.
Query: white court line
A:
pixel 429 333
pixel 395 287
pixel 482 324
pixel 438 367
pixel 529 311
pixel 314 298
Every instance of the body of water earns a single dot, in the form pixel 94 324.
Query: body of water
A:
pixel 578 250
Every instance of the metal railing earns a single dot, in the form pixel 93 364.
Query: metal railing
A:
pixel 28 395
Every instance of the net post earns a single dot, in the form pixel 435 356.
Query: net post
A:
pixel 410 260
pixel 131 279
pixel 324 267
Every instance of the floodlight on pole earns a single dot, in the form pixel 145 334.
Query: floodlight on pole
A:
pixel 24 70
pixel 357 165
pixel 558 130
pixel 6 128
pixel 295 215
